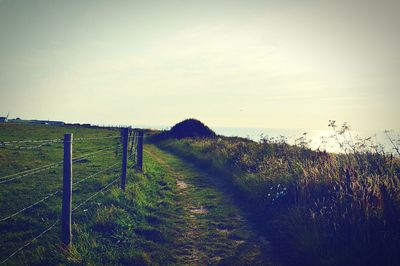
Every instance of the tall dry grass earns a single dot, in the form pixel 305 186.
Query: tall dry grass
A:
pixel 318 208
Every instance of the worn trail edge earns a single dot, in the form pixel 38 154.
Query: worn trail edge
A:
pixel 209 228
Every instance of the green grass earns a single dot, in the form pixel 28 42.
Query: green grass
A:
pixel 114 228
pixel 207 220
pixel 315 207
pixel 154 222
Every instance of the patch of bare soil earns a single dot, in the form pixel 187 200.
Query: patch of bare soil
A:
pixel 181 184
pixel 200 210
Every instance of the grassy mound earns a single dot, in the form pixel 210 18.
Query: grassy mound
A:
pixel 189 128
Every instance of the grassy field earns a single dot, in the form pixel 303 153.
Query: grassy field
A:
pixel 171 214
pixel 112 228
pixel 313 207
pixel 316 208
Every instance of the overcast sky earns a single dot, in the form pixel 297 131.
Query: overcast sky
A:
pixel 274 64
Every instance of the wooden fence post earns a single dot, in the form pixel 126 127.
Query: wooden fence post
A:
pixel 140 150
pixel 125 136
pixel 132 134
pixel 66 215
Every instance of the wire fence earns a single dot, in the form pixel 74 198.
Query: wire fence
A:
pixel 44 141
pixel 30 206
pixel 130 145
pixel 12 142
pixel 24 144
pixel 36 147
pixel 29 242
pixel 95 194
pixel 30 172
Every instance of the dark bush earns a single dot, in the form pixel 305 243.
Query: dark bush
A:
pixel 189 128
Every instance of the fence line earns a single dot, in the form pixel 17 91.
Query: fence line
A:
pixel 85 139
pixel 56 192
pixel 30 242
pixel 30 172
pixel 95 194
pixel 46 142
pixel 85 156
pixel 29 147
pixel 60 162
pixel 74 160
pixel 80 158
pixel 7 143
pixel 23 172
pixel 30 206
pixel 93 175
pixel 30 141
pixel 47 167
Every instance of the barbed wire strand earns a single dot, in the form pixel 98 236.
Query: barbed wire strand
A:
pixel 84 156
pixel 19 175
pixel 28 147
pixel 101 190
pixel 30 242
pixel 30 141
pixel 30 206
pixel 93 175
pixel 85 139
pixel 28 172
pixel 11 142
pixel 92 156
pixel 95 194
pixel 99 172
pixel 44 142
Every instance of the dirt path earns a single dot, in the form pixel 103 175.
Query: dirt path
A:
pixel 209 228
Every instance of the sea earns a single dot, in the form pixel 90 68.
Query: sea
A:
pixel 317 139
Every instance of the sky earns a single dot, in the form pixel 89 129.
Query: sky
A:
pixel 263 64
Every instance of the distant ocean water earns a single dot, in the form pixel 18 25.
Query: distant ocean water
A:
pixel 319 138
